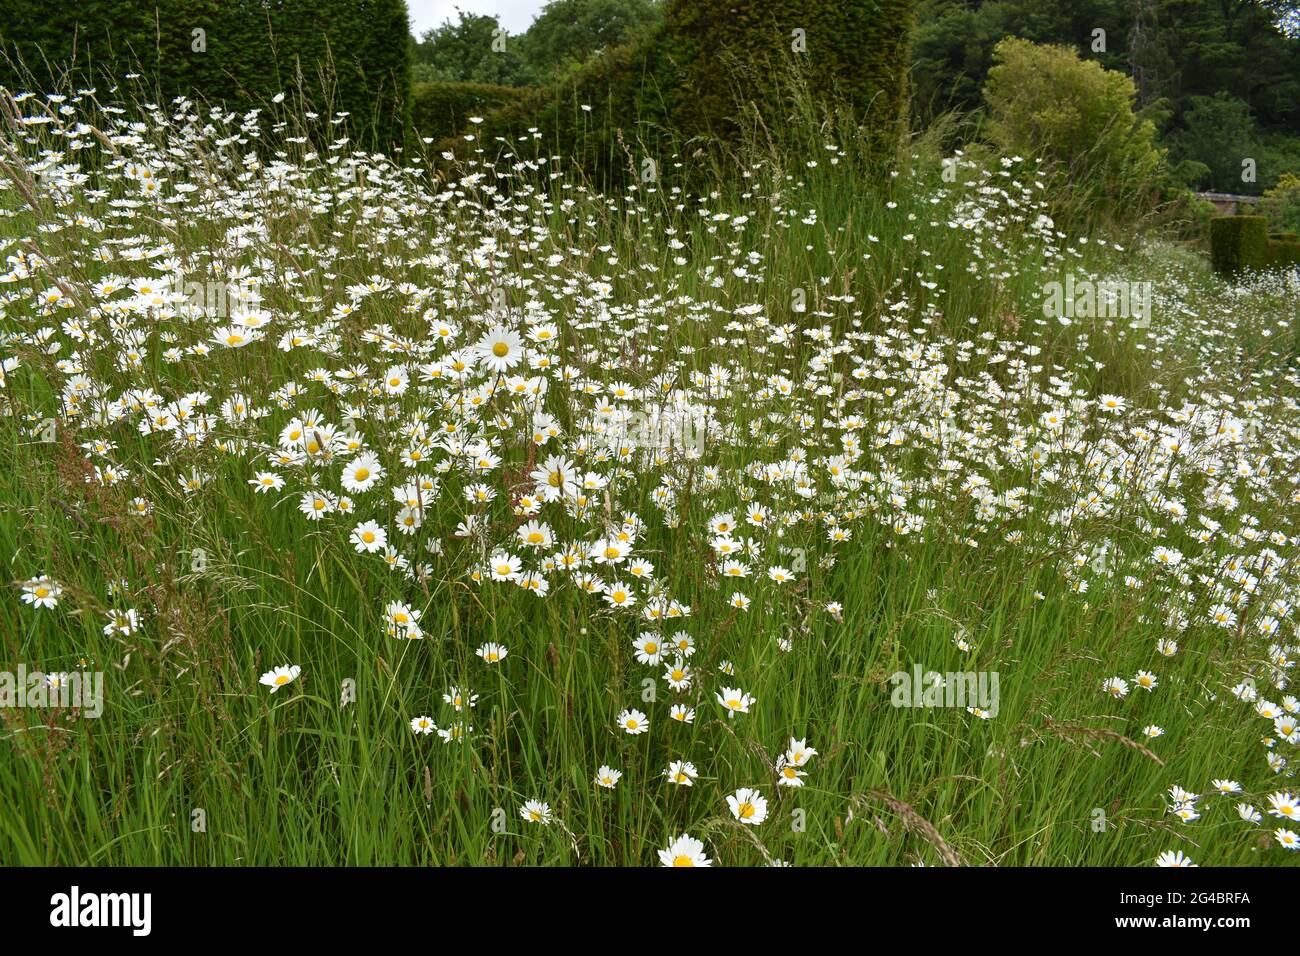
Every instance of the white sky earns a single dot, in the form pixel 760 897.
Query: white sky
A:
pixel 514 15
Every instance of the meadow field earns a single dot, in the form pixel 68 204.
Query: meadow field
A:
pixel 420 512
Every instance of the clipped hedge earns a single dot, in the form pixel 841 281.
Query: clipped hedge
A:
pixel 1243 244
pixel 343 55
pixel 1284 253
pixel 440 110
pixel 690 78
pixel 1239 244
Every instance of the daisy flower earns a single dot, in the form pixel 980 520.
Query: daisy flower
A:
pixel 608 777
pixel 369 537
pixel 735 701
pixel 1284 805
pixel 456 733
pixel 682 773
pixel 279 676
pixel 459 699
pixel 534 811
pixel 682 713
pixel 684 851
pixel 42 592
pixel 748 806
pixel 633 722
pixel 361 473
pixel 648 648
pixel 265 481
pixel 423 725
pixel 492 653
pixel 500 349
pixel 403 620
pixel 122 622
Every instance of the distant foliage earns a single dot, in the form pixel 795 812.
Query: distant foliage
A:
pixel 1175 50
pixel 1281 204
pixel 328 55
pixel 440 110
pixel 475 48
pixel 692 78
pixel 854 50
pixel 1219 132
pixel 471 49
pixel 567 33
pixel 1076 116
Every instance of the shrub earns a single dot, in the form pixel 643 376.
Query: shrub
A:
pixel 1044 101
pixel 440 110
pixel 1239 244
pixel 690 79
pixel 334 55
pixel 1281 204
pixel 1285 252
pixel 1185 216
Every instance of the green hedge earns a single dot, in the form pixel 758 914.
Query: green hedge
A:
pixel 685 82
pixel 1243 244
pixel 338 55
pixel 1239 244
pixel 440 110
pixel 1284 253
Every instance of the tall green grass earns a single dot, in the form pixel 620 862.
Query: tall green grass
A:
pixel 303 778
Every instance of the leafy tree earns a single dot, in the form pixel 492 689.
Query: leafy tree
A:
pixel 568 32
pixel 1173 49
pixel 473 49
pixel 954 41
pixel 1281 204
pixel 1219 134
pixel 1078 118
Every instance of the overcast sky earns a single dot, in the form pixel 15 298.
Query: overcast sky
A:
pixel 514 15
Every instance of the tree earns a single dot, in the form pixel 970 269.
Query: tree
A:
pixel 473 49
pixel 1077 117
pixel 1281 204
pixel 568 32
pixel 1174 50
pixel 1219 133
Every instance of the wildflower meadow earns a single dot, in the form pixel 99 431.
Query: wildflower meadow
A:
pixel 779 507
